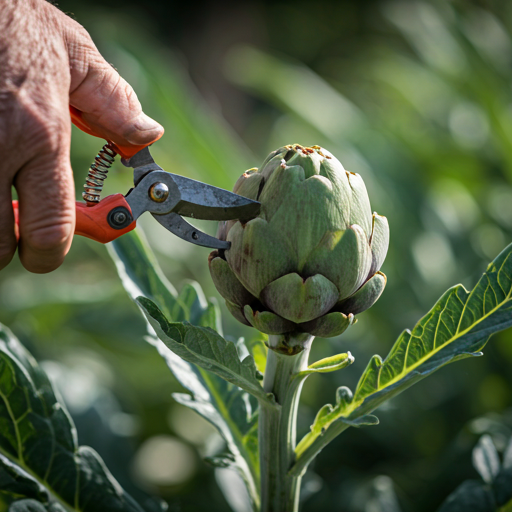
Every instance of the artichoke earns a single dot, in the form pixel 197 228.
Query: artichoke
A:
pixel 310 261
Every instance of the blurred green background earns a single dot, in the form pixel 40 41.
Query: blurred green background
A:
pixel 414 96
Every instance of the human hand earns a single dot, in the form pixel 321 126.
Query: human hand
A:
pixel 48 62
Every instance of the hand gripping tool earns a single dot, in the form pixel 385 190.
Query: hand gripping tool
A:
pixel 168 197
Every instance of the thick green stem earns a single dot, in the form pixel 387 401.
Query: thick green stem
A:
pixel 277 426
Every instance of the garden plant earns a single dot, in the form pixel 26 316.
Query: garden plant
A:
pixel 306 267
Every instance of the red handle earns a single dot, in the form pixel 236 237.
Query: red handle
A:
pixel 93 221
pixel 124 151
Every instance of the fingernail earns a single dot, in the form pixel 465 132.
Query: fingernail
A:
pixel 145 130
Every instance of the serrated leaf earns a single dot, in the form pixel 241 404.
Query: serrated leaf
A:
pixel 328 413
pixel 232 411
pixel 16 482
pixel 458 326
pixel 486 459
pixel 205 348
pixel 38 436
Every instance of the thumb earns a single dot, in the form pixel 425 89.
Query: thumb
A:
pixel 107 101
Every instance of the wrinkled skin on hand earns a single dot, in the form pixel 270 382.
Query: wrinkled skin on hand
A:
pixel 310 261
pixel 47 62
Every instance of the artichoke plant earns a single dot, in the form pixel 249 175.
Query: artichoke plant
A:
pixel 310 261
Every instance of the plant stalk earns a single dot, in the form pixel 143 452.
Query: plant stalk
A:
pixel 287 356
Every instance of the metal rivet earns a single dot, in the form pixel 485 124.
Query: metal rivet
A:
pixel 159 192
pixel 119 217
pixel 195 236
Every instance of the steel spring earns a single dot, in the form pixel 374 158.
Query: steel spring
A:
pixel 98 173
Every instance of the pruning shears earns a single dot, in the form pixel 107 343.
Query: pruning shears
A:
pixel 168 197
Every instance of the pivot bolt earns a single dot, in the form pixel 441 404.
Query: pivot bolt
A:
pixel 119 218
pixel 159 192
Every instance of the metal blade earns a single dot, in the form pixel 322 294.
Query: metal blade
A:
pixel 202 201
pixel 180 227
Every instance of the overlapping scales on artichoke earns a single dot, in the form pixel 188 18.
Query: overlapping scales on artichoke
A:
pixel 310 261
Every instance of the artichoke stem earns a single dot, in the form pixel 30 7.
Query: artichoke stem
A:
pixel 277 428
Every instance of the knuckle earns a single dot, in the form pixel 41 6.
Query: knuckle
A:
pixel 45 129
pixel 32 129
pixel 131 96
pixel 82 33
pixel 75 32
pixel 81 45
pixel 122 93
pixel 82 53
pixel 12 118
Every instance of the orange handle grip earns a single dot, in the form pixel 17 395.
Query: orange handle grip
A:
pixel 93 221
pixel 16 219
pixel 124 151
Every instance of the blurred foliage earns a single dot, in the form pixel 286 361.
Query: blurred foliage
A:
pixel 414 96
pixel 493 490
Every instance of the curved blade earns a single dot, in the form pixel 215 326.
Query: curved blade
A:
pixel 188 197
pixel 202 201
pixel 180 227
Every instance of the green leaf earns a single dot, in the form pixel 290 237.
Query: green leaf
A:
pixel 329 364
pixel 232 411
pixel 458 326
pixel 27 506
pixel 496 489
pixel 30 505
pixel 205 348
pixel 16 482
pixel 38 443
pixel 141 275
pixel 258 349
pixel 486 459
pixel 470 496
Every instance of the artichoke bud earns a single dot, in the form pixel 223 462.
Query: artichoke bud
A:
pixel 311 260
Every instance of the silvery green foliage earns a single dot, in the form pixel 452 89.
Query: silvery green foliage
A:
pixel 232 411
pixel 310 261
pixel 41 464
pixel 458 326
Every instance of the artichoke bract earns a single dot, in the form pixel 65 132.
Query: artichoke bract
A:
pixel 310 261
